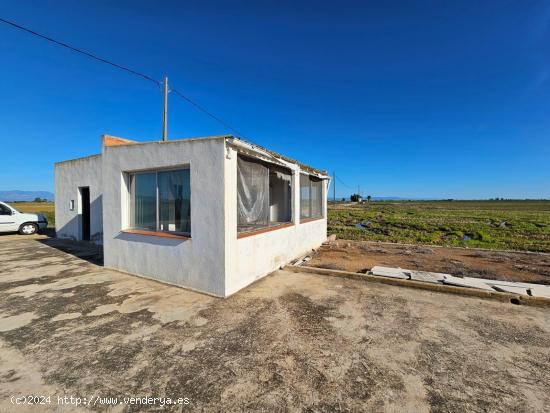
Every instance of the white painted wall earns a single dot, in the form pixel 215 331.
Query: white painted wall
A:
pixel 251 258
pixel 197 263
pixel 69 176
pixel 214 260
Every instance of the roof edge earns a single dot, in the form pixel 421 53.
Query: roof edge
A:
pixel 83 158
pixel 109 140
pixel 161 142
pixel 260 149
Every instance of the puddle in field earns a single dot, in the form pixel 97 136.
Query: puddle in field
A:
pixel 364 224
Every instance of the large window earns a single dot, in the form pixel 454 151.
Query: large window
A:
pixel 311 197
pixel 161 201
pixel 264 194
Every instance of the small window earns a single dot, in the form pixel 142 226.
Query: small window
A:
pixel 161 201
pixel 311 197
pixel 71 205
pixel 264 195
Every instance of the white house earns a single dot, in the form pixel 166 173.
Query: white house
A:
pixel 210 214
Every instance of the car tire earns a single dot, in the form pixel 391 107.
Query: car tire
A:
pixel 28 229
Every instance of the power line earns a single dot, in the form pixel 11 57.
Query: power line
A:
pixel 343 183
pixel 126 69
pixel 74 49
pixel 207 112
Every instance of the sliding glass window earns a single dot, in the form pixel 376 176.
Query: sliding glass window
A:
pixel 161 201
pixel 311 197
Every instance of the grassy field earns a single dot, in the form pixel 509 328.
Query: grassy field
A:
pixel 519 225
pixel 46 208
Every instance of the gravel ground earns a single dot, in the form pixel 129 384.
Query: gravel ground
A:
pixel 290 342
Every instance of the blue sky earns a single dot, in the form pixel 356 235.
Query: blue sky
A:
pixel 417 98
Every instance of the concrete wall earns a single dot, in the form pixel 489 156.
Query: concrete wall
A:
pixel 253 257
pixel 197 263
pixel 69 176
pixel 214 260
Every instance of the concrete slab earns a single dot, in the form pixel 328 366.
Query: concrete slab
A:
pixel 466 282
pixel 506 283
pixel 404 274
pixel 391 272
pixel 537 290
pixel 540 291
pixel 511 289
pixel 431 277
pixel 470 282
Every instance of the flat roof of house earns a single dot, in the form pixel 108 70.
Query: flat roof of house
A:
pixel 285 158
pixel 83 158
pixel 110 141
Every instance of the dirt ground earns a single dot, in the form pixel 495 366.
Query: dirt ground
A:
pixel 360 256
pixel 290 342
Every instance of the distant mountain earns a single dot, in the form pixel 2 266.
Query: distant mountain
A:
pixel 8 196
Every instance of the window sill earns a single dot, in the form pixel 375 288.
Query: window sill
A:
pixel 155 234
pixel 263 230
pixel 306 220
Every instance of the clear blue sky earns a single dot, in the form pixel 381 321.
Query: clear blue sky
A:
pixel 419 99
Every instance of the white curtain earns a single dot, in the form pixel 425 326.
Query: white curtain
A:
pixel 280 195
pixel 311 196
pixel 305 196
pixel 252 193
pixel 316 198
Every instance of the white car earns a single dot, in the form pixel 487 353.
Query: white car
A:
pixel 11 220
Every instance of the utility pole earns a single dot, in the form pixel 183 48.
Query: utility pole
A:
pixel 334 187
pixel 165 111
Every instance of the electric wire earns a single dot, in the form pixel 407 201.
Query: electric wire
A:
pixel 85 53
pixel 207 112
pixel 128 70
pixel 343 183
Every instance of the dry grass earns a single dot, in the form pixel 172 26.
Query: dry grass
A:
pixel 46 208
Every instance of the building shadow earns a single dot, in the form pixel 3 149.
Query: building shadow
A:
pixel 68 237
pixel 84 250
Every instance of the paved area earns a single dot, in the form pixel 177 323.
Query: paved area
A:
pixel 290 342
pixel 15 236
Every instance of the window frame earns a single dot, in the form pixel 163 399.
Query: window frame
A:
pixel 311 217
pixel 131 193
pixel 271 225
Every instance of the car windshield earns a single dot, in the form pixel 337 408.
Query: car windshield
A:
pixel 9 206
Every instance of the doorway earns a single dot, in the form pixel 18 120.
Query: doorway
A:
pixel 85 217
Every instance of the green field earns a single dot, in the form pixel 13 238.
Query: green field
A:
pixel 46 208
pixel 519 225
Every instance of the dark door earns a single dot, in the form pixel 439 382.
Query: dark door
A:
pixel 85 196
